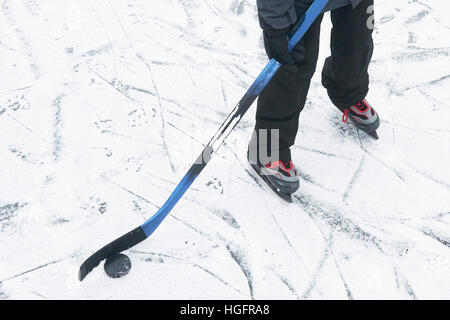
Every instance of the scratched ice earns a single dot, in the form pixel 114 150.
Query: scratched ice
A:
pixel 105 104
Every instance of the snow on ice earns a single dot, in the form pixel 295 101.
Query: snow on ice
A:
pixel 105 104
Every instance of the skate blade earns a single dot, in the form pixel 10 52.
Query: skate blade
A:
pixel 286 197
pixel 373 135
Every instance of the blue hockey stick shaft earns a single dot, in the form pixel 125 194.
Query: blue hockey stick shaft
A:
pixel 258 85
pixel 142 232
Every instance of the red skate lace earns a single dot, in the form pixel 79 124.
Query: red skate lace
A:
pixel 345 115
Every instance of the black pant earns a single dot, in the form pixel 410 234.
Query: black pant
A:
pixel 344 74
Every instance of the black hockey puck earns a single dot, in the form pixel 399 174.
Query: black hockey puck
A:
pixel 117 266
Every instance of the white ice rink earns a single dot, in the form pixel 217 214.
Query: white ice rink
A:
pixel 104 105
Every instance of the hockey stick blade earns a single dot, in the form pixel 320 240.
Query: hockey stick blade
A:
pixel 125 242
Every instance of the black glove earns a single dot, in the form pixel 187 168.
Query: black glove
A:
pixel 276 42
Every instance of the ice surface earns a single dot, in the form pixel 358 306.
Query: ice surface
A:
pixel 105 104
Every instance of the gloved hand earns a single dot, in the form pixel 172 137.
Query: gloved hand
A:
pixel 276 43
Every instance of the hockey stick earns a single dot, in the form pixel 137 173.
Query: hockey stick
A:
pixel 142 232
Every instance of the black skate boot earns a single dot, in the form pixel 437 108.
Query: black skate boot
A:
pixel 364 117
pixel 281 177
